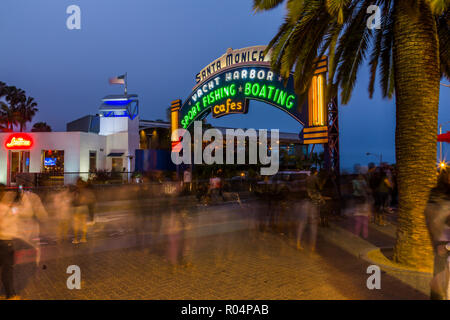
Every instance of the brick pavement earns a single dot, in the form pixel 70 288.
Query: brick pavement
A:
pixel 234 265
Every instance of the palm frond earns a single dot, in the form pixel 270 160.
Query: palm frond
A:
pixel 262 5
pixel 379 44
pixel 443 29
pixel 336 7
pixel 352 49
pixel 438 7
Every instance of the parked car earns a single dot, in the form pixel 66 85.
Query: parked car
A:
pixel 285 181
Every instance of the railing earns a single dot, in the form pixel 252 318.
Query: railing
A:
pixel 127 185
pixel 50 179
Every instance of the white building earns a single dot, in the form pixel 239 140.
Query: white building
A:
pixel 65 156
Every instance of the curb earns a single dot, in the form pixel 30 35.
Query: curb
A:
pixel 418 280
pixel 372 254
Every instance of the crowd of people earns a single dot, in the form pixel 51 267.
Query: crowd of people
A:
pixel 373 197
pixel 20 214
pixel 369 195
pixel 437 216
pixel 23 215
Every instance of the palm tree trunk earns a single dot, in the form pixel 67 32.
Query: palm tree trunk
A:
pixel 416 72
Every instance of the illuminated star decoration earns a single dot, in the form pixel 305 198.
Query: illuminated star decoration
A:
pixel 443 164
pixel 240 88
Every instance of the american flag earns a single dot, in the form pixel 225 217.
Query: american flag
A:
pixel 117 80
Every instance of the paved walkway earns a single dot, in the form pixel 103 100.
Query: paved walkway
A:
pixel 218 257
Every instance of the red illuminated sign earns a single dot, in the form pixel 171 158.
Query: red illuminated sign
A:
pixel 19 141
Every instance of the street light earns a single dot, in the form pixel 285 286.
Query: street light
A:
pixel 376 155
pixel 440 143
pixel 442 163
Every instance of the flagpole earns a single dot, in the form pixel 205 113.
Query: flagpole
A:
pixel 126 83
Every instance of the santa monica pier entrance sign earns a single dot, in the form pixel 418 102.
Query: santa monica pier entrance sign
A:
pixel 226 85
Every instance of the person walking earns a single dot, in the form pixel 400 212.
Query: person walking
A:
pixel 438 222
pixel 90 200
pixel 86 197
pixel 310 210
pixel 307 214
pixel 80 212
pixel 382 193
pixel 360 206
pixel 215 187
pixel 330 193
pixel 187 181
pixel 313 188
pixel 373 180
pixel 8 230
pixel 61 203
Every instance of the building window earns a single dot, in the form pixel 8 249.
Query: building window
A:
pixel 53 161
pixel 92 161
pixel 19 163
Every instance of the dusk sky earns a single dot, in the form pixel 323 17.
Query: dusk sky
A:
pixel 162 45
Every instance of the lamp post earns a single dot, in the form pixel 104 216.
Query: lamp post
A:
pixel 440 131
pixel 376 155
pixel 440 143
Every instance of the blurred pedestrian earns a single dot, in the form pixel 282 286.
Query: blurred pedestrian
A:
pixel 80 213
pixel 215 188
pixel 143 212
pixel 382 195
pixel 8 231
pixel 438 222
pixel 313 189
pixel 86 196
pixel 308 214
pixel 330 193
pixel 360 206
pixel 174 229
pixel 187 181
pixel 32 215
pixel 61 202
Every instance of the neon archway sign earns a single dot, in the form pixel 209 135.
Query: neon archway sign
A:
pixel 230 91
pixel 228 84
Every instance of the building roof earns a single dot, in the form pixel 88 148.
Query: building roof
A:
pixel 120 97
pixel 145 124
pixel 283 136
pixel 89 123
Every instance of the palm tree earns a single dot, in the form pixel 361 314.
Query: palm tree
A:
pixel 2 89
pixel 411 52
pixel 10 112
pixel 3 122
pixel 41 127
pixel 9 117
pixel 18 110
pixel 27 109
